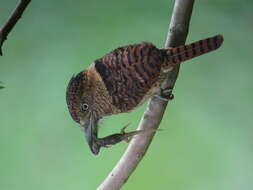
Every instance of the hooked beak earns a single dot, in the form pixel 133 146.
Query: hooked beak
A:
pixel 89 127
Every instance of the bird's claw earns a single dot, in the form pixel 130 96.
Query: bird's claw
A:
pixel 118 137
pixel 166 94
pixel 123 133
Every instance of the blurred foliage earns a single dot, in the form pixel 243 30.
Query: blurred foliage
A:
pixel 1 87
pixel 206 141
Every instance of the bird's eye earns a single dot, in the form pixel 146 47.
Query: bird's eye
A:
pixel 85 107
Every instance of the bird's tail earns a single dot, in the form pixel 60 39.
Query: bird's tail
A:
pixel 186 52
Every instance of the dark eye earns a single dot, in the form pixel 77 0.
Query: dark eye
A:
pixel 85 107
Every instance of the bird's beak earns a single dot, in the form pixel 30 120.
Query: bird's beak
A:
pixel 89 127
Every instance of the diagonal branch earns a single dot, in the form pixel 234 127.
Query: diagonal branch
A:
pixel 178 30
pixel 12 20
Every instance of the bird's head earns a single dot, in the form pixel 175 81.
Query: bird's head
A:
pixel 79 97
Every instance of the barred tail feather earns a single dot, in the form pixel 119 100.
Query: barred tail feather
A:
pixel 186 52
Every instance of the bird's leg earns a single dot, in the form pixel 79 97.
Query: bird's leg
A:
pixel 95 143
pixel 122 136
pixel 166 94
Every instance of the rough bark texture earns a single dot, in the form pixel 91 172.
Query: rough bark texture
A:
pixel 12 20
pixel 178 30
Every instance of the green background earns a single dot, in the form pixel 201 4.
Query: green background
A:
pixel 206 141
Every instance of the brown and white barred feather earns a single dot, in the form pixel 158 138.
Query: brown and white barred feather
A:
pixel 129 72
pixel 186 52
pixel 132 73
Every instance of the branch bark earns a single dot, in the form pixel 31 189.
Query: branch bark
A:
pixel 178 30
pixel 11 21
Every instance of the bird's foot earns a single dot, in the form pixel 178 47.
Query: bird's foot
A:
pixel 122 131
pixel 166 94
pixel 122 136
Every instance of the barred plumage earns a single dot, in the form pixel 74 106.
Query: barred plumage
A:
pixel 124 78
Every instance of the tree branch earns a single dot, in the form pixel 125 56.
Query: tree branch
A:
pixel 11 21
pixel 178 30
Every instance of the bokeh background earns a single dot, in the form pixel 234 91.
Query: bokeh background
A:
pixel 206 141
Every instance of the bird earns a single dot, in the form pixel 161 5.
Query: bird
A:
pixel 121 81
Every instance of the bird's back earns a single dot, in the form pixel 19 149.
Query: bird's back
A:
pixel 129 73
pixel 132 73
